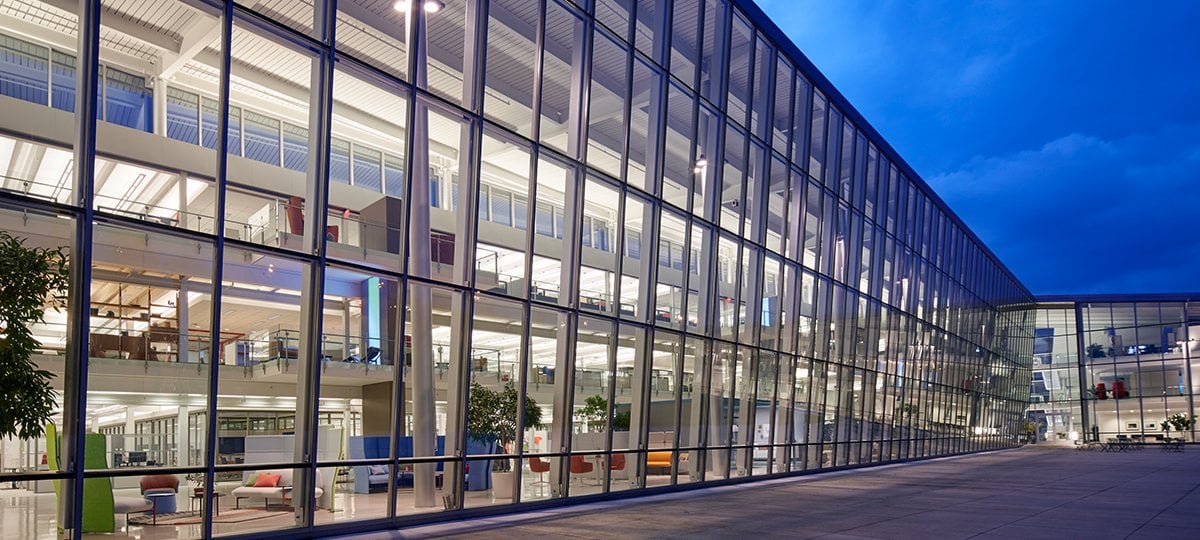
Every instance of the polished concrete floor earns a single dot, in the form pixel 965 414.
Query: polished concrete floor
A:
pixel 27 515
pixel 1033 492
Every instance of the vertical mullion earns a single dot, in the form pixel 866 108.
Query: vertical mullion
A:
pixel 75 375
pixel 222 172
pixel 308 398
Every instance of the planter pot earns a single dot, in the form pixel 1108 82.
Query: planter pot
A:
pixel 502 484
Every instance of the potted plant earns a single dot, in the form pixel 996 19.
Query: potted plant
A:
pixel 1180 422
pixel 197 479
pixel 32 279
pixel 492 418
pixel 1095 350
pixel 1030 428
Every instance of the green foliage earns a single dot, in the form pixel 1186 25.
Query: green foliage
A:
pixel 1095 350
pixel 492 414
pixel 1030 427
pixel 1181 422
pixel 31 279
pixel 595 413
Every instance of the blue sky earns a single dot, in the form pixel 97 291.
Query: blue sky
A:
pixel 1065 134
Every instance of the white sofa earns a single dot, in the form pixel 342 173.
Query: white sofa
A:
pixel 282 491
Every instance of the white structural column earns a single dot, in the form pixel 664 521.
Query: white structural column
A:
pixel 420 297
pixel 747 407
pixel 643 347
pixel 181 320
pixel 568 289
pixel 466 201
pixel 719 410
pixel 784 409
pixel 183 444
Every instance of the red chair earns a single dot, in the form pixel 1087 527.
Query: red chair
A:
pixel 1101 393
pixel 617 462
pixel 580 466
pixel 541 467
pixel 295 219
pixel 1119 390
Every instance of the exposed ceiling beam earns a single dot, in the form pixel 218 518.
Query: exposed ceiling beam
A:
pixel 117 21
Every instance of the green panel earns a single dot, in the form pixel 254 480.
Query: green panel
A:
pixel 97 492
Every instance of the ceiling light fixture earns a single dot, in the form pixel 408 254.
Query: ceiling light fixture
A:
pixel 431 6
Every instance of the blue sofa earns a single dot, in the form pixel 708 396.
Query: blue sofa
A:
pixel 377 447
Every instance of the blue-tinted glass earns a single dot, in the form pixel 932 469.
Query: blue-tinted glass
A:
pixel 633 245
pixel 339 161
pixel 235 130
pixel 558 223
pixel 484 203
pixel 435 191
pixel 183 116
pixel 262 138
pixel 586 233
pixel 208 123
pixel 127 100
pixel 62 82
pixel 520 208
pixel 543 220
pixel 295 147
pixel 393 176
pixel 23 70
pixel 501 207
pixel 600 240
pixel 368 173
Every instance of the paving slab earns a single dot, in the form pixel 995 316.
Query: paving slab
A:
pixel 1029 493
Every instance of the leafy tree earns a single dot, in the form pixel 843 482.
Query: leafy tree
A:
pixel 31 279
pixel 595 412
pixel 1181 422
pixel 492 416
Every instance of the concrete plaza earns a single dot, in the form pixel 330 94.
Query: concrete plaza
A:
pixel 1032 492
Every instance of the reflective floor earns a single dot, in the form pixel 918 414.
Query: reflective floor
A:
pixel 28 515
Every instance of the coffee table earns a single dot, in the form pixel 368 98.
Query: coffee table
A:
pixel 200 496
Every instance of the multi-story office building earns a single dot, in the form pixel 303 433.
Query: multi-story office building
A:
pixel 309 240
pixel 1114 367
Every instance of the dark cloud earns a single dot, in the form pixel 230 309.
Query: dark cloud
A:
pixel 1064 133
pixel 1085 215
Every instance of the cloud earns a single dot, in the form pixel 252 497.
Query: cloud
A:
pixel 1081 214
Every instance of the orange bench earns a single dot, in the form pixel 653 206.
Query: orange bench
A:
pixel 661 459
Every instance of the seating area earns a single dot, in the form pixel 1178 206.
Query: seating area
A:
pixel 1122 443
pixel 269 485
pixel 373 478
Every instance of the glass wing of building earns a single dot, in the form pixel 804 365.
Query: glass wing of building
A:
pixel 1113 368
pixel 355 265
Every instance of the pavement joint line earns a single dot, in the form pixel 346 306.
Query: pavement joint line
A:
pixel 464 526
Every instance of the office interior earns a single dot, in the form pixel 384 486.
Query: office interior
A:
pixel 707 272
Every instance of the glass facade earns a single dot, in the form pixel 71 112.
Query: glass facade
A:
pixel 1112 368
pixel 312 244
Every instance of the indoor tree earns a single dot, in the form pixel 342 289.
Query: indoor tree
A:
pixel 492 416
pixel 32 279
pixel 595 412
